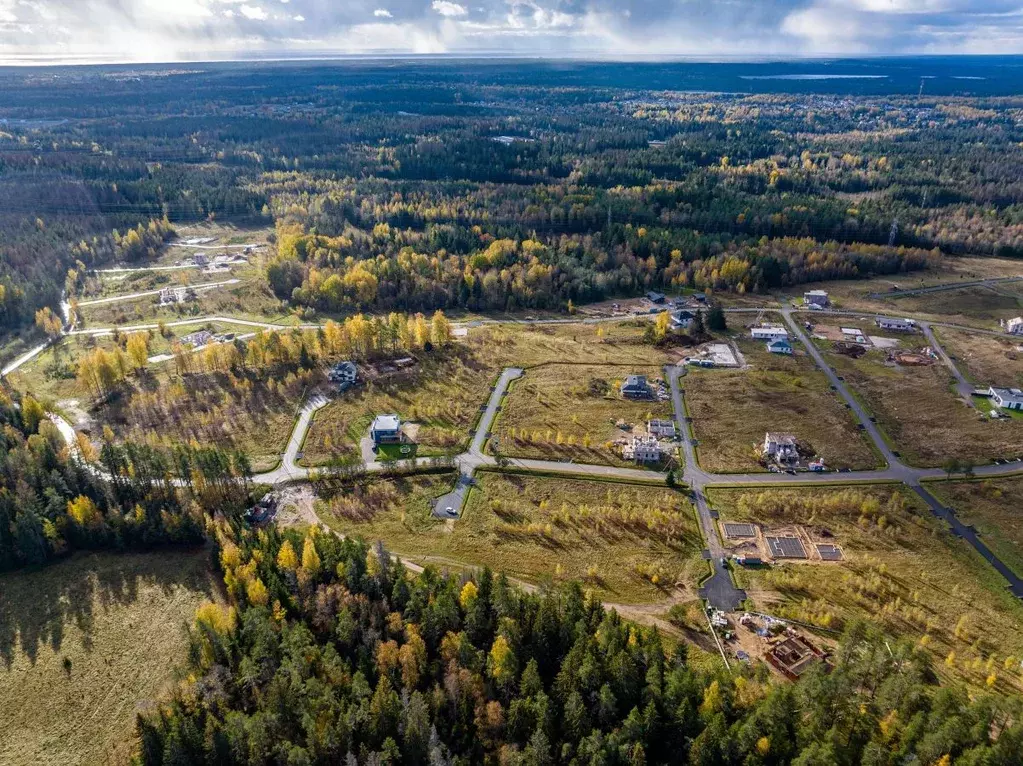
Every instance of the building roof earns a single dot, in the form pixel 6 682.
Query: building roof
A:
pixel 655 296
pixel 783 439
pixel 1008 395
pixel 635 381
pixel 896 321
pixel 779 343
pixel 386 423
pixel 817 293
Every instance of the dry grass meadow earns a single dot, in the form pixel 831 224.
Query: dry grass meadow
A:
pixel 572 411
pixel 902 570
pixel 920 413
pixel 987 360
pixel 733 409
pixel 445 394
pixel 84 643
pixel 995 508
pixel 628 543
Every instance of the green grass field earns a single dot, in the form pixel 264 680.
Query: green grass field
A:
pixel 902 570
pixel 84 643
pixel 628 543
pixel 733 409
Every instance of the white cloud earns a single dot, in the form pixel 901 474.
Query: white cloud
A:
pixel 449 9
pixel 167 30
pixel 254 12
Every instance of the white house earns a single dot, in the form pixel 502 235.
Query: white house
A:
pixel 817 298
pixel 780 346
pixel 896 324
pixel 661 428
pixel 1015 325
pixel 197 338
pixel 386 429
pixel 344 374
pixel 172 295
pixel 1007 398
pixel 642 449
pixel 781 447
pixel 769 332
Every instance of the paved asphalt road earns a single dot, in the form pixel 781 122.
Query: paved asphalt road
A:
pixel 449 506
pixel 719 589
pixel 941 288
pixel 963 386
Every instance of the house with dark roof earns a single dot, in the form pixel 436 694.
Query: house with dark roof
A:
pixel 682 319
pixel 655 297
pixel 636 387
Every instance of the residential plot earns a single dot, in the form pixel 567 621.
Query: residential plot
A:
pixel 901 569
pixel 628 543
pixel 995 508
pixel 829 552
pixel 577 411
pixel 445 393
pixel 986 359
pixel 440 396
pixel 918 410
pixel 85 642
pixel 981 305
pixel 732 410
pixel 738 531
pixel 250 299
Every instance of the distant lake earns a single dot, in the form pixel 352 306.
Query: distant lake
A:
pixel 819 77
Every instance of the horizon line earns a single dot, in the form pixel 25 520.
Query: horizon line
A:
pixel 87 60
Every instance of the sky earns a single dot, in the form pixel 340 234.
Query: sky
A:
pixel 33 31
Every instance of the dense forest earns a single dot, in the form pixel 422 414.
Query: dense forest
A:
pixel 330 651
pixel 437 186
pixel 52 504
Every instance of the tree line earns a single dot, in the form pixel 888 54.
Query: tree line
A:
pixel 331 651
